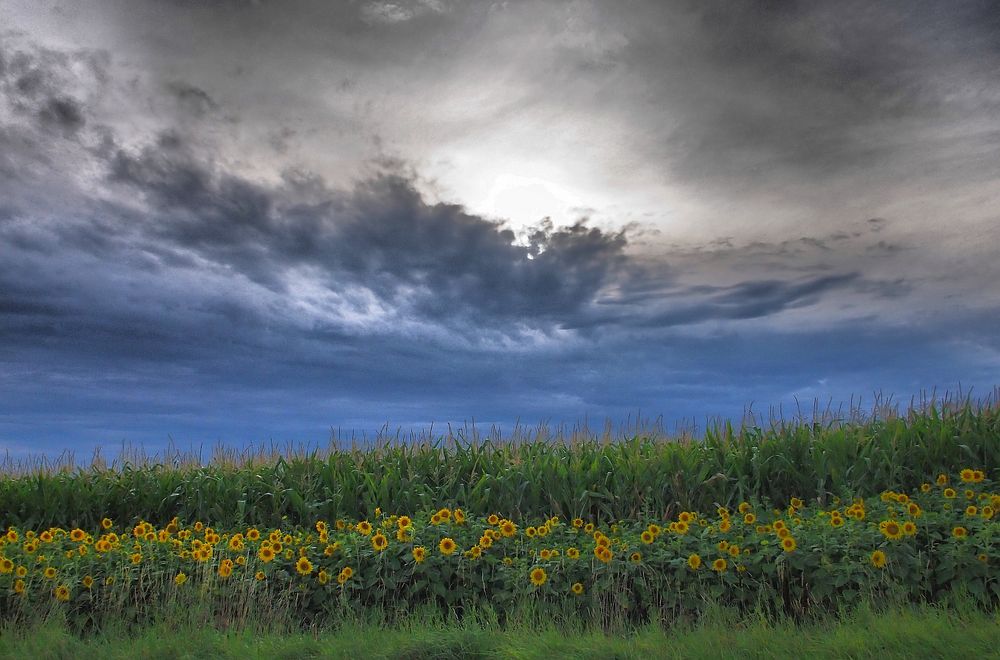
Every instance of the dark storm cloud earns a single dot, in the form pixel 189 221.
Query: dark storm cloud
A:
pixel 381 235
pixel 794 91
pixel 40 82
pixel 192 98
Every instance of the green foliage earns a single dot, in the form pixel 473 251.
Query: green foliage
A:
pixel 589 477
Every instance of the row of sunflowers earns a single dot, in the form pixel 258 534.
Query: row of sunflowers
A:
pixel 941 537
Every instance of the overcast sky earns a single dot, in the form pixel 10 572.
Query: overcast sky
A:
pixel 246 221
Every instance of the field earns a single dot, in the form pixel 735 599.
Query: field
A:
pixel 794 524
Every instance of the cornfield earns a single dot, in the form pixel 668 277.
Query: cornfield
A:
pixel 591 477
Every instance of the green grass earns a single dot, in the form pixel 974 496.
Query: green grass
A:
pixel 594 477
pixel 909 632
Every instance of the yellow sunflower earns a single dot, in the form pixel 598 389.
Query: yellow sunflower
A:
pixel 577 588
pixel 303 566
pixel 538 576
pixel 878 559
pixel 447 546
pixel 419 553
pixel 694 562
pixel 891 530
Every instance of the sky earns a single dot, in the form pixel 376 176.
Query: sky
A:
pixel 259 221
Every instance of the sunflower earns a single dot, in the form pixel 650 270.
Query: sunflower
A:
pixel 545 554
pixel 971 510
pixel 654 529
pixel 578 523
pixel 635 557
pixel 589 528
pixel 447 546
pixel 419 553
pixel 19 587
pixel 572 553
pixel 225 568
pixel 538 576
pixel 345 574
pixel 891 530
pixel 530 532
pixel 404 521
pixel 878 559
pixel 949 493
pixel 266 553
pixel 508 528
pixel 542 530
pixel 303 566
pixel 788 544
pixel 749 518
pixel 647 537
pixel 967 475
pixel 364 528
pixel 959 532
pixel 259 576
pixel 694 561
pixel 836 521
pixel 603 553
pixel 577 589
pixel 49 573
pixel 323 577
pixel 978 475
pixel 681 527
pixel 719 565
pixel 380 542
pixel 734 551
pixel 909 528
pixel 61 593
pixel 983 558
pixel 444 514
pixel 743 507
pixel 725 526
pixel 485 541
pixel 459 517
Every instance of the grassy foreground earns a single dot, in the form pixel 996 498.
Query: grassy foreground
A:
pixel 910 632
